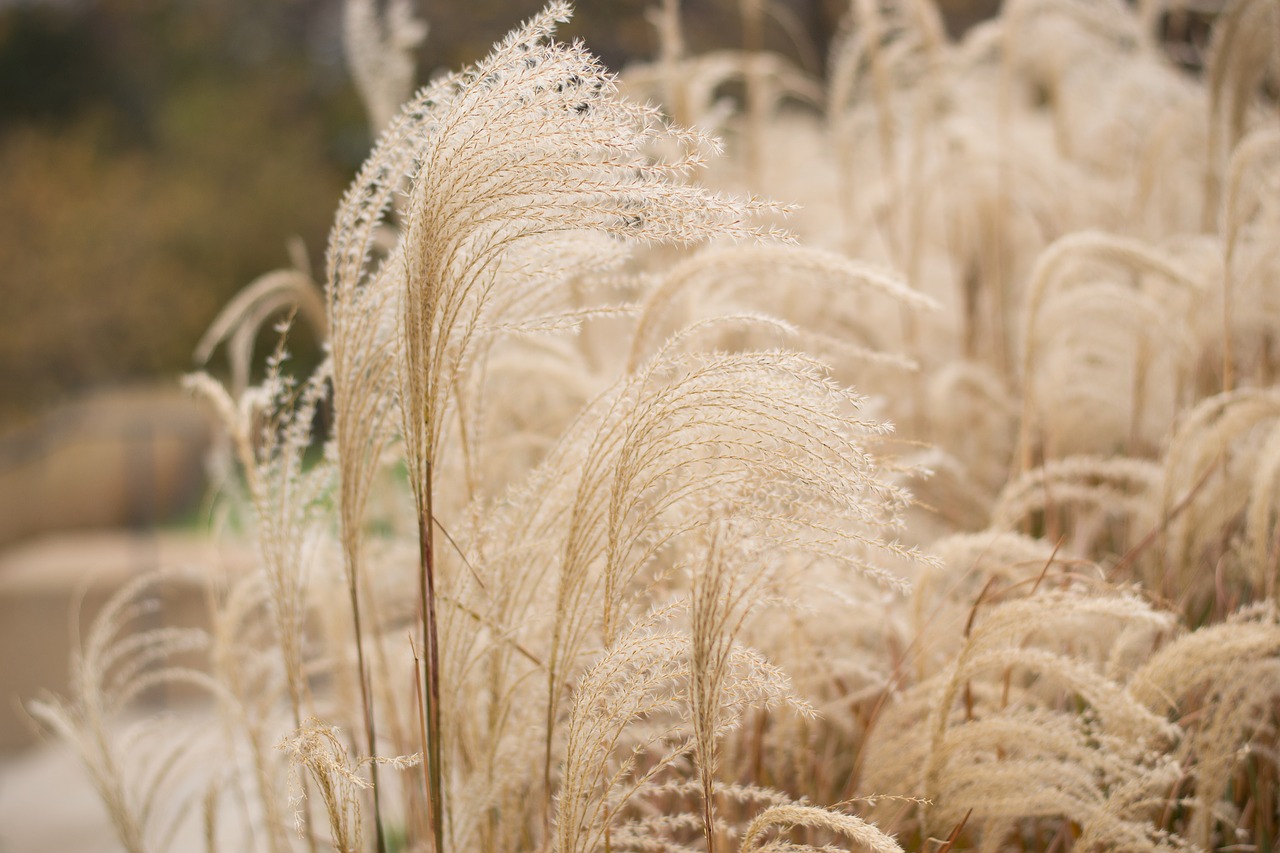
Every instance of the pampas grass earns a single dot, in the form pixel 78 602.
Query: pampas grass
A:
pixel 132 763
pixel 601 550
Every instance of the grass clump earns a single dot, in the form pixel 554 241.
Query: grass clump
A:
pixel 603 552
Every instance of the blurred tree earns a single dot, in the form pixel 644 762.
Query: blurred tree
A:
pixel 56 51
pixel 155 157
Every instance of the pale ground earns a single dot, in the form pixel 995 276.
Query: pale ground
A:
pixel 48 806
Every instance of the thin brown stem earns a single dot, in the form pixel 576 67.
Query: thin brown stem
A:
pixel 366 702
pixel 424 819
pixel 431 663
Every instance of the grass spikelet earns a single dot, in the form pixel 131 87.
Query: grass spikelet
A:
pixel 713 623
pixel 1112 365
pixel 660 456
pixel 1218 442
pixel 253 691
pixel 639 680
pixel 284 499
pixel 1257 145
pixel 973 417
pixel 803 285
pixel 725 680
pixel 1014 675
pixel 1087 491
pixel 1223 681
pixel 1241 55
pixel 379 44
pixel 240 321
pixel 965 563
pixel 132 766
pixel 1262 520
pixel 320 750
pixel 1051 275
pixel 785 817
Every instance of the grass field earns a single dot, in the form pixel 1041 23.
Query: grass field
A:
pixel 715 457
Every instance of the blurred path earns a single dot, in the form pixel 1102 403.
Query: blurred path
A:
pixel 48 806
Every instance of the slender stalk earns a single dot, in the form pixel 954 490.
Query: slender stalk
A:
pixel 366 702
pixel 550 727
pixel 671 54
pixel 708 815
pixel 752 50
pixel 431 663
pixel 1228 352
pixel 420 704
